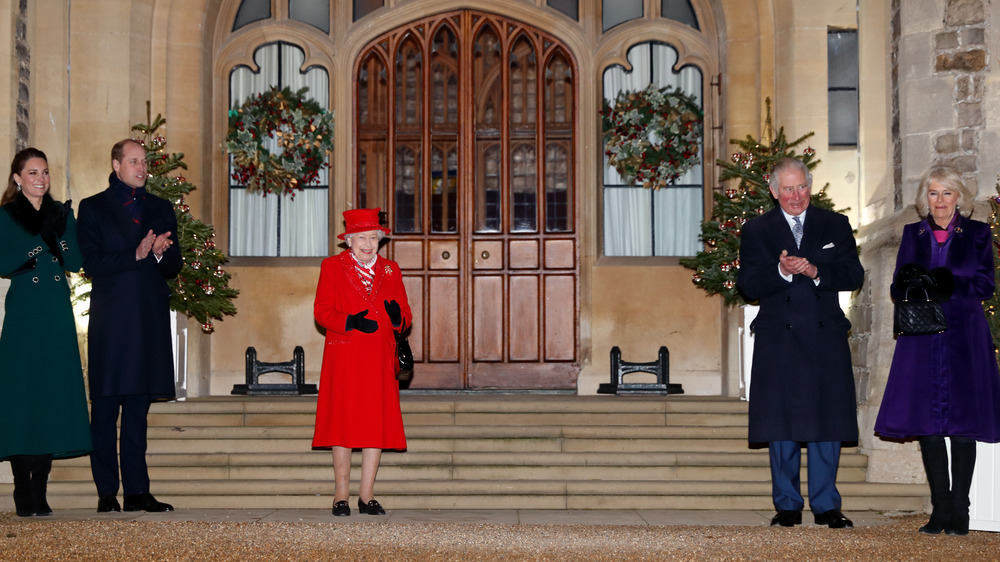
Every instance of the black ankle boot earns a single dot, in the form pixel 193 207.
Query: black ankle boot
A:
pixel 41 466
pixel 23 502
pixel 935 457
pixel 963 465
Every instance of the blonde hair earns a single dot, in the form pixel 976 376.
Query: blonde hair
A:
pixel 948 178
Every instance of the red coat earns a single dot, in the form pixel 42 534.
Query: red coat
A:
pixel 358 403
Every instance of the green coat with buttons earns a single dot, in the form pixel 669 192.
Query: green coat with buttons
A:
pixel 43 404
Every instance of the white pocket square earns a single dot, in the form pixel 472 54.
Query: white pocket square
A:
pixel 828 246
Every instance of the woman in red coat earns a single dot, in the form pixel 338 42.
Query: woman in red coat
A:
pixel 360 301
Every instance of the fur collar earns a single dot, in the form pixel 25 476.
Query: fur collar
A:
pixel 24 214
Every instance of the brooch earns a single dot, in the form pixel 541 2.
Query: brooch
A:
pixel 958 229
pixel 388 269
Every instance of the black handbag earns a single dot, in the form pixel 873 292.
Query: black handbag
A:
pixel 918 318
pixel 404 358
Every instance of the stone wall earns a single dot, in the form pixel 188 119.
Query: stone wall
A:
pixel 941 50
pixel 22 54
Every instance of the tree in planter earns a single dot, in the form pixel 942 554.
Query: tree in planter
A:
pixel 201 290
pixel 747 196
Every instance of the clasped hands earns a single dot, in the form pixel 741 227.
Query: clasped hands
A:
pixel 153 243
pixel 793 265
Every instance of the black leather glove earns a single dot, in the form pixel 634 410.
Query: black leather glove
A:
pixel 360 323
pixel 395 314
pixel 54 221
pixel 942 284
pixel 914 276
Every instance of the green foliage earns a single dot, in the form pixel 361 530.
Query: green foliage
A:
pixel 652 136
pixel 745 197
pixel 301 130
pixel 201 290
pixel 992 305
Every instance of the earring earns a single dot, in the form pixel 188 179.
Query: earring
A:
pixel 19 187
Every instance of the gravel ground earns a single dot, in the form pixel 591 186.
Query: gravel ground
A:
pixel 23 539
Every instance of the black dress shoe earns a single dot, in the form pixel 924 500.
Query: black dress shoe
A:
pixel 108 504
pixel 371 508
pixel 834 519
pixel 146 502
pixel 786 519
pixel 341 508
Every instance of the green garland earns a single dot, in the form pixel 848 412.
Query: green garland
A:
pixel 302 129
pixel 652 136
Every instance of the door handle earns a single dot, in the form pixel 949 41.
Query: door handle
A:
pixel 485 255
pixel 445 255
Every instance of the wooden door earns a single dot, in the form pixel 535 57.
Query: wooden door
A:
pixel 465 137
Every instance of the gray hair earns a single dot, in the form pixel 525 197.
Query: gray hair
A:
pixel 347 237
pixel 782 165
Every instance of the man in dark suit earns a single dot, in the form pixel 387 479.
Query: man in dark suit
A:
pixel 129 244
pixel 794 260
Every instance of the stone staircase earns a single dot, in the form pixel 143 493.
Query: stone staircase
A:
pixel 478 451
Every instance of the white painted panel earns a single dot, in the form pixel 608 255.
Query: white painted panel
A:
pixel 985 494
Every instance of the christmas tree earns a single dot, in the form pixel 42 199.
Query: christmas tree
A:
pixel 992 304
pixel 747 196
pixel 201 289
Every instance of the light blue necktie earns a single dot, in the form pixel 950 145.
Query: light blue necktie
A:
pixel 797 231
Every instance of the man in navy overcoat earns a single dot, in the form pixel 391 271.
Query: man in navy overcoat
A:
pixel 795 259
pixel 128 238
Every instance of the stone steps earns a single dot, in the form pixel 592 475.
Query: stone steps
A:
pixel 496 451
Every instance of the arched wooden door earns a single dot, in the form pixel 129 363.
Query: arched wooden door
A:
pixel 465 136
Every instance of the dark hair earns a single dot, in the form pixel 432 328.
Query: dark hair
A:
pixel 16 167
pixel 118 150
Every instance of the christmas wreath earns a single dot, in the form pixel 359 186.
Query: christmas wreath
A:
pixel 299 127
pixel 652 135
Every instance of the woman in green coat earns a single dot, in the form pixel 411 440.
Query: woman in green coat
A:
pixel 43 405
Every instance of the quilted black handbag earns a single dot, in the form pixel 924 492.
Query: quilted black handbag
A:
pixel 916 317
pixel 404 357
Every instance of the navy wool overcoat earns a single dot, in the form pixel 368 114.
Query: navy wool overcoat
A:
pixel 129 338
pixel 802 382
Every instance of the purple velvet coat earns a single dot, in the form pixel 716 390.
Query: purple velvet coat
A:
pixel 948 383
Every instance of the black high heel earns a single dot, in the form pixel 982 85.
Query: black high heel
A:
pixel 371 508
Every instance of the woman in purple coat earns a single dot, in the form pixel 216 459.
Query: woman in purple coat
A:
pixel 947 384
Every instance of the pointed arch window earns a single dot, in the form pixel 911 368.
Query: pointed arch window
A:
pixel 251 11
pixel 619 12
pixel 679 10
pixel 640 221
pixel 520 135
pixel 314 12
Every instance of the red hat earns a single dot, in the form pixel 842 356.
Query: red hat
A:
pixel 362 220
